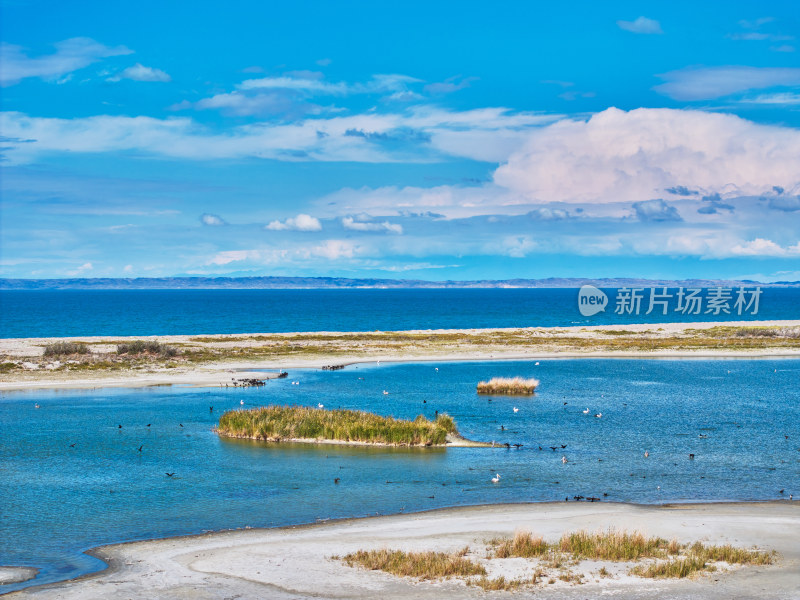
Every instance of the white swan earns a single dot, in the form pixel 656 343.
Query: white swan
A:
pixel 241 402
pixel 586 412
pixel 385 393
pixel 496 479
pixel 646 453
pixel 516 409
pixel 598 415
pixel 320 405
pixel 564 459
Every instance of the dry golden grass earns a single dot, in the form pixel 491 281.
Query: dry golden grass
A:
pixel 612 545
pixel 421 565
pixel 522 545
pixel 500 584
pixel 508 386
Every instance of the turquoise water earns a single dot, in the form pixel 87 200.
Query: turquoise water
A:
pixel 62 313
pixel 57 501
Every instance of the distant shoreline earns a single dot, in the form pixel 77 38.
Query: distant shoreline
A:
pixel 228 356
pixel 332 283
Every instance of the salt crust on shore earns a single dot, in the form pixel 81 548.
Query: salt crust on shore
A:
pixel 296 562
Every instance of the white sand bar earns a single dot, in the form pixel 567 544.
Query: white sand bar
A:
pixel 295 562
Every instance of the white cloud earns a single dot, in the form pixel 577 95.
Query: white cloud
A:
pixel 229 256
pixel 357 224
pixel 427 134
pixel 139 72
pixel 128 268
pixel 641 25
pixel 70 55
pixel 631 156
pixel 81 270
pixel 212 220
pixel 707 83
pixel 301 222
pixel 312 83
pixel 335 249
pixel 784 98
pixel 764 247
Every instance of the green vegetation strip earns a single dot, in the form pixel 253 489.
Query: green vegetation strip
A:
pixel 275 423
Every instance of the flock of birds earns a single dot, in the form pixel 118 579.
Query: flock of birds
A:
pixel 497 477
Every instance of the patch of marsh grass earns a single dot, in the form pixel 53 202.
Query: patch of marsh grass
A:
pixel 65 349
pixel 152 347
pixel 276 423
pixel 500 584
pixel 612 545
pixel 522 545
pixel 508 386
pixel 421 565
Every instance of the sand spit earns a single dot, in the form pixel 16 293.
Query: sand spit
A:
pixel 296 562
pixel 212 360
pixel 16 574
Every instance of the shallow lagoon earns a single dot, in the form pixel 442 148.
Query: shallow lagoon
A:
pixel 59 500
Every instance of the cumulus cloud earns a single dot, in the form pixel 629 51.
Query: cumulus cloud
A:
pixel 631 156
pixel 655 210
pixel 139 72
pixel 763 247
pixel 70 55
pixel 641 25
pixel 301 222
pixel 359 224
pixel 707 83
pixel 212 220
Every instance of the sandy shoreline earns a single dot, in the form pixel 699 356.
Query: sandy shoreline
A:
pixel 220 373
pixel 296 562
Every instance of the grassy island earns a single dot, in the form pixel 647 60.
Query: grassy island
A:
pixel 299 423
pixel 508 386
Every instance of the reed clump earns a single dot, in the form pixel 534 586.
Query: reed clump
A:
pixel 275 423
pixel 508 386
pixel 612 545
pixel 422 565
pixel 151 347
pixel 522 545
pixel 65 349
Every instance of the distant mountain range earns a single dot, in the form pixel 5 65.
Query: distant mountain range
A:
pixel 266 283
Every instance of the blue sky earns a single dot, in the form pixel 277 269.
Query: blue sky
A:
pixel 424 140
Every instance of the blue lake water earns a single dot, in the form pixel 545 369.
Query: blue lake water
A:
pixel 57 501
pixel 62 313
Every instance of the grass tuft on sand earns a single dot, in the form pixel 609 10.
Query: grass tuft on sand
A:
pixel 422 565
pixel 508 386
pixel 152 347
pixel 65 349
pixel 275 423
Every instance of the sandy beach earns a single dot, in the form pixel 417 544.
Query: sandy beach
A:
pixel 237 355
pixel 297 562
